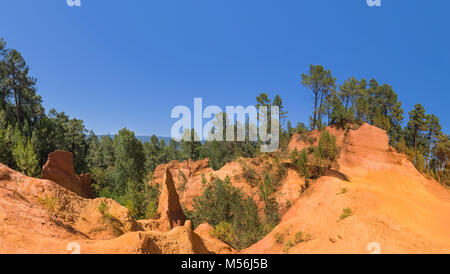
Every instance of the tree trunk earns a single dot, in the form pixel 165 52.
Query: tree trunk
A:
pixel 316 95
pixel 429 148
pixel 415 143
pixel 319 118
pixel 16 94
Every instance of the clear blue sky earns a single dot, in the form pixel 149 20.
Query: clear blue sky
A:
pixel 127 63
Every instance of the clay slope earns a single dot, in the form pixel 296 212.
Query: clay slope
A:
pixel 395 208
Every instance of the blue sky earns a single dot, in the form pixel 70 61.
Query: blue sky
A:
pixel 118 64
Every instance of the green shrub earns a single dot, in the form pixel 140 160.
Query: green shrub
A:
pixel 311 149
pixel 152 210
pixel 224 232
pixel 382 121
pixel 289 244
pixel 25 157
pixel 222 202
pixel 346 212
pixel 343 191
pixel 279 237
pixel 305 187
pixel 327 149
pixel 280 171
pixel 266 188
pixel 301 162
pixel 445 178
pixel 420 162
pixel 288 204
pixel 49 203
pixel 305 137
pixel 402 147
pixel 307 237
pixel 104 210
pixel 272 212
pixel 298 238
pixel 249 174
pixel 271 206
pixel 132 208
pixel 182 187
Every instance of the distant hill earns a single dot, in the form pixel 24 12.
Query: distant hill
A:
pixel 144 139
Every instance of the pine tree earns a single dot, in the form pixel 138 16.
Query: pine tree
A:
pixel 189 147
pixel 130 160
pixel 441 152
pixel 25 157
pixel 94 155
pixel 434 130
pixel 417 123
pixel 107 148
pixel 384 110
pixel 19 86
pixel 320 82
pixel 153 153
pixel 348 91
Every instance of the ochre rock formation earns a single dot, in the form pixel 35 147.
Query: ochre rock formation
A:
pixel 169 208
pixel 59 169
pixel 40 216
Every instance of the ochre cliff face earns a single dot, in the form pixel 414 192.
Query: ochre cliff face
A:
pixel 395 209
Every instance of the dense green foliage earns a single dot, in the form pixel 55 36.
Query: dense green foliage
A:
pixel 300 161
pixel 312 163
pixel 125 178
pixel 327 150
pixel 271 206
pixel 322 83
pixel 221 202
pixel 25 157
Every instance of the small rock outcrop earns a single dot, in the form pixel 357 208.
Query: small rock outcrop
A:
pixel 214 245
pixel 59 169
pixel 169 208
